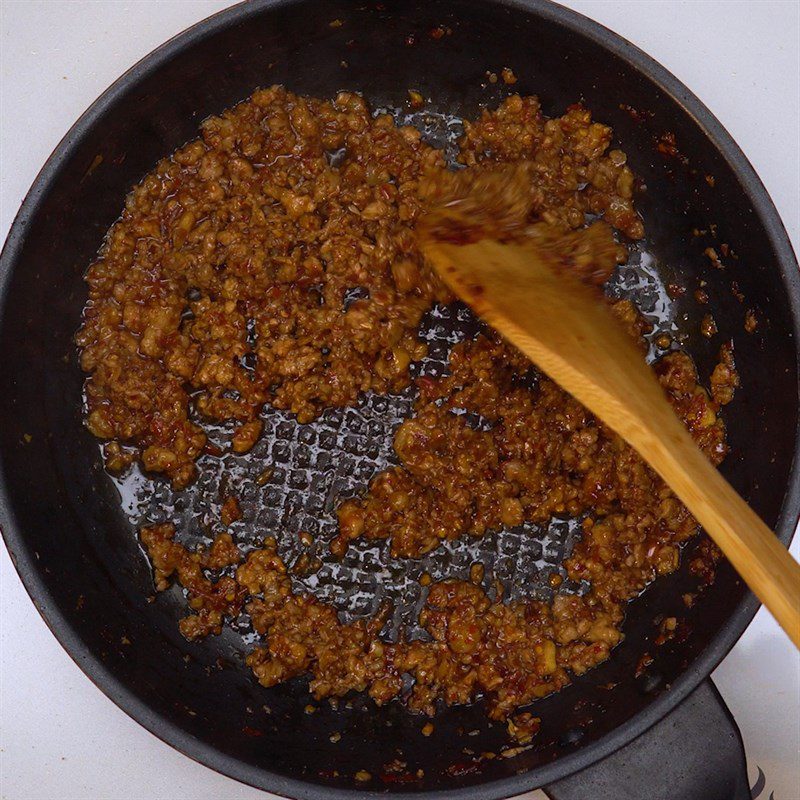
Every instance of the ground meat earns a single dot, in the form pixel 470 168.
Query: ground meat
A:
pixel 750 321
pixel 549 456
pixel 485 201
pixel 253 266
pixel 708 326
pixel 498 202
pixel 231 272
pixel 230 512
pixel 512 653
pixel 523 727
pixel 275 260
pixel 573 170
pixel 211 601
pixel 538 453
pixel 724 378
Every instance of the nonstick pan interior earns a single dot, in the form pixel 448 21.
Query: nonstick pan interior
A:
pixel 71 533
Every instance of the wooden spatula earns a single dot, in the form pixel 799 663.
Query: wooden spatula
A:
pixel 561 325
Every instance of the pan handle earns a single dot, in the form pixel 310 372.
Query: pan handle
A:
pixel 696 751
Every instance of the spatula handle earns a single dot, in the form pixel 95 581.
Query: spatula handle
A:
pixel 751 547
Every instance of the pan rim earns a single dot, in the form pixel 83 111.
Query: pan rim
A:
pixel 700 668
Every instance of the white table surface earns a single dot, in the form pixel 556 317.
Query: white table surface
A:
pixel 59 735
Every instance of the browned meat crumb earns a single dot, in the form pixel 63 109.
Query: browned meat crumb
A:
pixel 117 459
pixel 476 573
pixel 712 256
pixel 523 727
pixel 246 435
pixel 724 378
pixel 645 660
pixel 675 290
pixel 263 477
pixel 508 76
pixel 667 145
pixel 708 326
pixel 211 601
pixel 306 538
pixel 666 630
pixel 704 563
pixel 415 99
pixel 663 341
pixel 231 512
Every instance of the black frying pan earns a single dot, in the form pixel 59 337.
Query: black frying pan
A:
pixel 75 548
